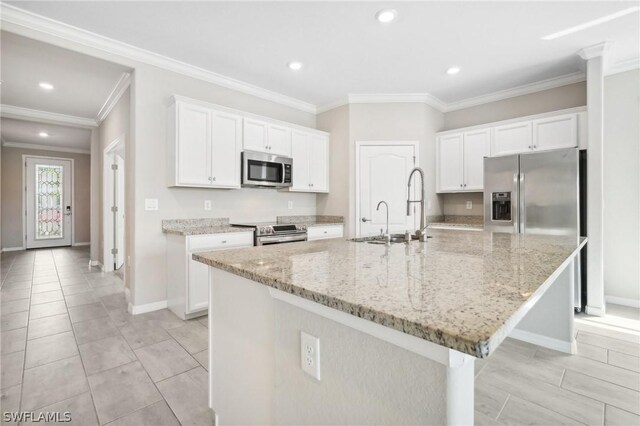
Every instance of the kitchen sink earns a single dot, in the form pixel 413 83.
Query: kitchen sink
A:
pixel 379 239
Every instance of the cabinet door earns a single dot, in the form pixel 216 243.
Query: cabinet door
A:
pixel 300 142
pixel 511 138
pixel 476 147
pixel 449 164
pixel 194 145
pixel 198 286
pixel 555 132
pixel 318 163
pixel 279 140
pixel 226 130
pixel 254 135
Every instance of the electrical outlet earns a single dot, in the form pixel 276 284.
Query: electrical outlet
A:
pixel 151 204
pixel 290 205
pixel 310 355
pixel 469 205
pixel 207 204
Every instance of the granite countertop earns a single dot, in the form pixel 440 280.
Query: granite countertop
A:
pixel 463 290
pixel 458 222
pixel 199 226
pixel 312 220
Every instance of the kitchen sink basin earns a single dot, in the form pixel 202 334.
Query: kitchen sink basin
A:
pixel 378 239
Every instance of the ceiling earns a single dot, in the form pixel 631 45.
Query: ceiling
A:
pixel 344 50
pixel 82 83
pixel 60 137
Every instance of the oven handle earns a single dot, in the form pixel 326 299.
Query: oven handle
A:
pixel 280 239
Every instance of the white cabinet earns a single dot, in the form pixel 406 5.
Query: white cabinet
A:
pixel 449 163
pixel 324 232
pixel 513 138
pixel 555 132
pixel 204 147
pixel 460 160
pixel 310 153
pixel 188 280
pixel 262 136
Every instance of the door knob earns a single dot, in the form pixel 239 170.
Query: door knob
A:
pixel 364 219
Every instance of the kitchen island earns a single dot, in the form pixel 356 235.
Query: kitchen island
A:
pixel 399 326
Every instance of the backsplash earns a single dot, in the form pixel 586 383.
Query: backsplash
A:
pixel 456 204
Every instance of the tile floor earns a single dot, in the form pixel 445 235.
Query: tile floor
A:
pixel 68 344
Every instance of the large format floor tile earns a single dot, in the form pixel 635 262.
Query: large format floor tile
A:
pixel 48 326
pixel 80 409
pixel 105 354
pixel 96 329
pixel 165 359
pixel 186 394
pixel 156 414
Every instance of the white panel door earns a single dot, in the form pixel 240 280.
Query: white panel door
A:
pixel 254 136
pixel 318 163
pixel 511 139
pixel 476 147
pixel 450 171
pixel 300 142
pixel 555 132
pixel 383 174
pixel 194 145
pixel 119 221
pixel 279 140
pixel 226 145
pixel 48 202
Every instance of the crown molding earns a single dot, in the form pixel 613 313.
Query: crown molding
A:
pixel 385 98
pixel 45 147
pixel 118 90
pixel 25 19
pixel 19 113
pixel 332 105
pixel 595 51
pixel 623 66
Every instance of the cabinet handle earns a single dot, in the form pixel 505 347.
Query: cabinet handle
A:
pixel 460 185
pixel 534 147
pixel 209 178
pixel 224 242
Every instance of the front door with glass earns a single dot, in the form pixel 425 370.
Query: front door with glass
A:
pixel 48 202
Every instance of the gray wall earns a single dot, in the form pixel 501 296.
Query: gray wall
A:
pixel 12 212
pixel 563 97
pixel 622 186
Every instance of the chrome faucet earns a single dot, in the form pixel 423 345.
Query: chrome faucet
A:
pixel 420 233
pixel 387 206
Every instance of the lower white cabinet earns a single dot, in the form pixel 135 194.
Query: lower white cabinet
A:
pixel 188 280
pixel 324 232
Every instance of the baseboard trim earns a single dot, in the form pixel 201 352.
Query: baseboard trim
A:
pixel 149 307
pixel 81 244
pixel 594 310
pixel 544 341
pixel 624 301
pixel 96 263
pixel 12 249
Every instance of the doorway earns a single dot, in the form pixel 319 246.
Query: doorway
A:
pixel 382 171
pixel 113 202
pixel 48 201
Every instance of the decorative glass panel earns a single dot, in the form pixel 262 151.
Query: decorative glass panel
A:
pixel 49 212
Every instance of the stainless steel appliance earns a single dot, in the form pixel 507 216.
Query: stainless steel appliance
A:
pixel 537 193
pixel 272 233
pixel 266 170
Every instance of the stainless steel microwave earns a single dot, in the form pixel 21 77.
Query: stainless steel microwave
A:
pixel 266 170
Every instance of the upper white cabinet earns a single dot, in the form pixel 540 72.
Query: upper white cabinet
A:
pixel 266 137
pixel 310 153
pixel 555 132
pixel 511 138
pixel 204 147
pixel 460 160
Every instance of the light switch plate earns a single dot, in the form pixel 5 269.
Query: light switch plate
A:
pixel 151 204
pixel 207 204
pixel 310 355
pixel 469 205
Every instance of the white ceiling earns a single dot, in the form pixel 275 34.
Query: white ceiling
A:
pixel 345 50
pixel 26 132
pixel 82 83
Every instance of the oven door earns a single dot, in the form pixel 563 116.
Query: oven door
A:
pixel 265 170
pixel 280 239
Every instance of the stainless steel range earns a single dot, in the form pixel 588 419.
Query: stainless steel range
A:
pixel 268 233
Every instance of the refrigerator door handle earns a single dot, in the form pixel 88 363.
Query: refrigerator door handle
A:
pixel 523 212
pixel 515 205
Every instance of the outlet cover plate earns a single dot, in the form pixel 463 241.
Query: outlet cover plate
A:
pixel 310 355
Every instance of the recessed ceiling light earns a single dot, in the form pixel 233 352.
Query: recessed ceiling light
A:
pixel 295 65
pixel 386 15
pixel 43 134
pixel 46 86
pixel 453 70
pixel 593 23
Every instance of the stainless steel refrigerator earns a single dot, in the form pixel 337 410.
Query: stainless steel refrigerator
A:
pixel 535 193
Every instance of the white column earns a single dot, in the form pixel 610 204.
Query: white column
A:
pixel 94 207
pixel 595 57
